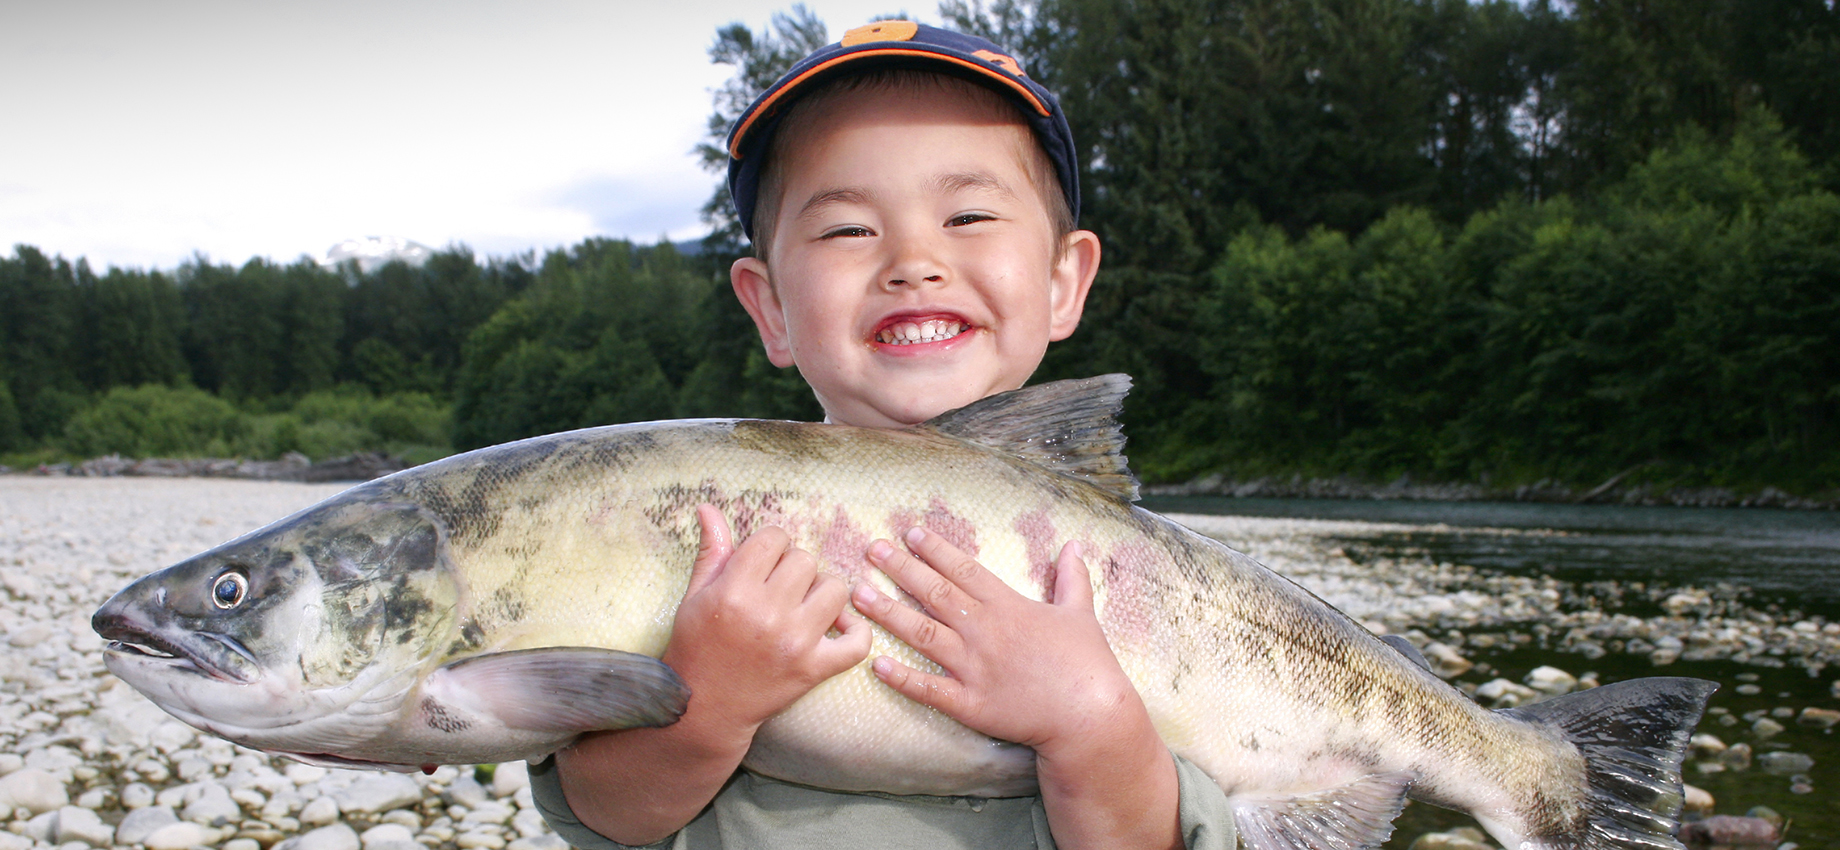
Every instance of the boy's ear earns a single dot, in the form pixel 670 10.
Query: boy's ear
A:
pixel 753 283
pixel 1072 279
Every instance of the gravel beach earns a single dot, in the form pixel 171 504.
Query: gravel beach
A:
pixel 86 762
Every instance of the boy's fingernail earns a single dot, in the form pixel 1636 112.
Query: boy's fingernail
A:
pixel 883 665
pixel 864 594
pixel 880 550
pixel 915 535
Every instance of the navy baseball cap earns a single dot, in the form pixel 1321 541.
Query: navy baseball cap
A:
pixel 899 44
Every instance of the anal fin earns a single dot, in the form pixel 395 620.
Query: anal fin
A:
pixel 560 689
pixel 1357 815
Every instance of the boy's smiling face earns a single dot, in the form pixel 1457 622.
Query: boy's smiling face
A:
pixel 913 267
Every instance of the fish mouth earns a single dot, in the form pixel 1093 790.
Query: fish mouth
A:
pixel 217 656
pixel 905 329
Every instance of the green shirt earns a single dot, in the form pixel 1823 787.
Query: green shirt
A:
pixel 753 812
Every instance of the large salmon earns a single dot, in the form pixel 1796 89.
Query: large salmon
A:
pixel 494 605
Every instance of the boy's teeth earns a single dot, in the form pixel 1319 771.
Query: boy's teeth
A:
pixel 911 333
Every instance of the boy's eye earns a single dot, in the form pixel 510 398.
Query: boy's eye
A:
pixel 848 230
pixel 963 219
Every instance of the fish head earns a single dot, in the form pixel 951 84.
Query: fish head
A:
pixel 279 638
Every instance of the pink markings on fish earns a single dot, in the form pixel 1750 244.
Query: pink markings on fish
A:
pixel 843 546
pixel 940 520
pixel 1126 571
pixel 1037 530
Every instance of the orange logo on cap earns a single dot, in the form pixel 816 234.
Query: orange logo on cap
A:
pixel 881 31
pixel 1006 63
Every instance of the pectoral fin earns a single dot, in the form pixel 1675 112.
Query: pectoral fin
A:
pixel 1359 814
pixel 557 690
pixel 1406 649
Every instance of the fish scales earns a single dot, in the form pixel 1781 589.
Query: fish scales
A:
pixel 498 558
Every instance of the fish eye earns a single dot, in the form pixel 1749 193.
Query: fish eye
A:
pixel 230 589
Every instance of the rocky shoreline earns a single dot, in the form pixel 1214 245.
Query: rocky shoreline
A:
pixel 1611 492
pixel 293 466
pixel 86 762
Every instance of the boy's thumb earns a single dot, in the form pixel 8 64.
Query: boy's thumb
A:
pixel 715 543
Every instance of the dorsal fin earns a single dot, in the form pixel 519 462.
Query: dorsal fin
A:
pixel 1070 427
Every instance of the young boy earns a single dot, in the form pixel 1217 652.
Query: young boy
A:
pixel 911 197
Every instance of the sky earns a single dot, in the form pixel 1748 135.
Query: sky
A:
pixel 138 133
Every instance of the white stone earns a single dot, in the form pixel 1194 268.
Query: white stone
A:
pixel 10 762
pixel 1505 694
pixel 321 811
pixel 338 836
pixel 490 811
pixel 378 792
pixel 14 841
pixel 1698 799
pixel 1551 680
pixel 142 822
pixel 386 833
pixel 528 823
pixel 213 807
pixel 241 844
pixel 480 839
pixel 301 774
pixel 507 778
pixel 75 823
pixel 466 791
pixel 546 841
pixel 32 788
pixel 182 836
pixel 41 828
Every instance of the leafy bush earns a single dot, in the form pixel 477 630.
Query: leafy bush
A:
pixel 153 420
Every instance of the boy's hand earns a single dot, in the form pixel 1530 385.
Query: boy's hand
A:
pixel 749 639
pixel 1036 673
pixel 1030 672
pixel 754 621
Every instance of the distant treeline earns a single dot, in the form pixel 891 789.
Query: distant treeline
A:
pixel 1458 240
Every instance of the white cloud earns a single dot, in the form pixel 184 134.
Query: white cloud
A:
pixel 140 133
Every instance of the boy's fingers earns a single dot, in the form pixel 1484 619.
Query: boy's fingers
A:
pixel 715 544
pixel 940 692
pixel 850 646
pixel 934 591
pixel 760 553
pixel 959 568
pixel 914 628
pixel 1072 582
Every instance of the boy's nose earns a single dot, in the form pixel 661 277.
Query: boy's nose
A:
pixel 901 281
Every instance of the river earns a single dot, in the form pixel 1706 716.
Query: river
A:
pixel 1785 564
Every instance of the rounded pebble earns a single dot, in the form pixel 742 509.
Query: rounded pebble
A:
pixel 181 836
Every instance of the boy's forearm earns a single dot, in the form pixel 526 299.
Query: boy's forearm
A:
pixel 1114 787
pixel 616 785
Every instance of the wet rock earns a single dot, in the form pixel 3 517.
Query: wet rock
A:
pixel 1698 799
pixel 1731 830
pixel 1501 693
pixel 1765 728
pixel 1446 661
pixel 1706 746
pixel 1748 690
pixel 1737 757
pixel 1785 764
pixel 1819 718
pixel 1551 680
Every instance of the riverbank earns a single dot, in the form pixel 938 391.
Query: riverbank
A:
pixel 84 758
pixel 1611 492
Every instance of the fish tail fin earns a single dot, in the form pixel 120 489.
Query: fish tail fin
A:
pixel 1633 736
